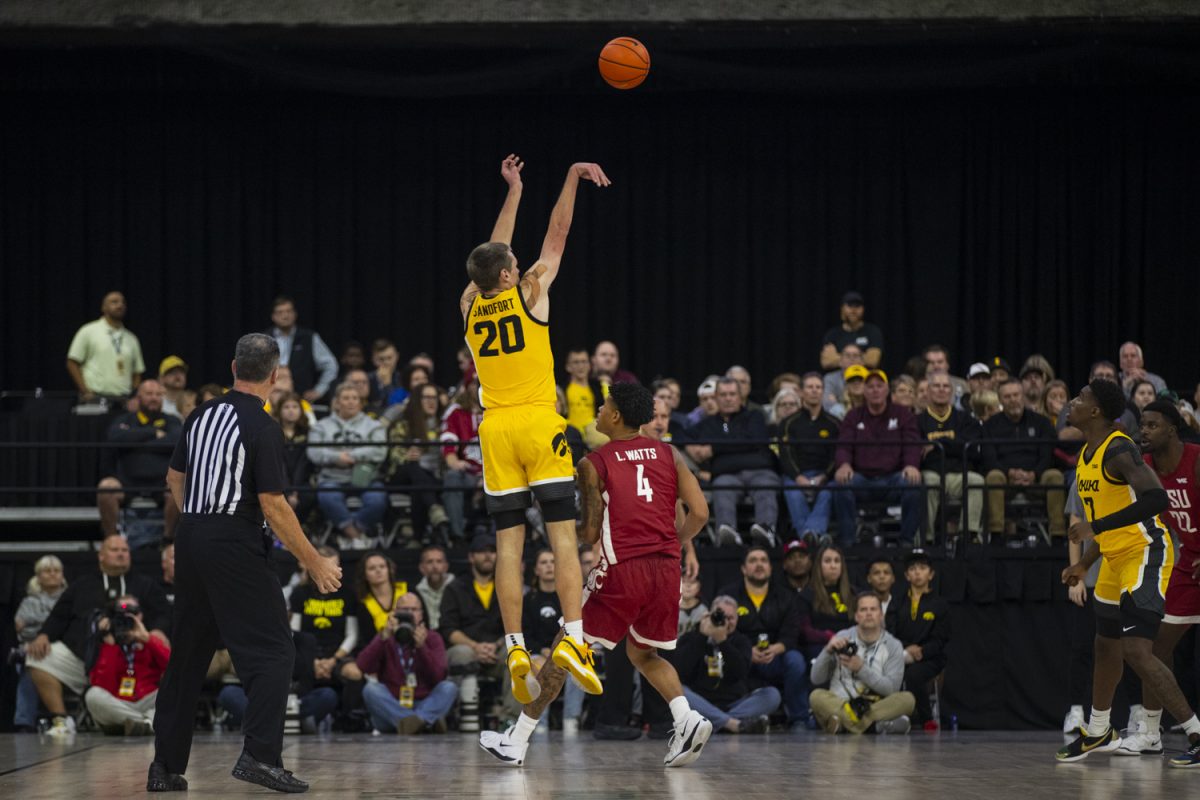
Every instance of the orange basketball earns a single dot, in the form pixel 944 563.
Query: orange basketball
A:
pixel 624 62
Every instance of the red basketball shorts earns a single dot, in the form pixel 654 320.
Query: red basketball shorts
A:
pixel 1183 592
pixel 639 597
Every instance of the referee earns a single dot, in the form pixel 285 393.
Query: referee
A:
pixel 226 475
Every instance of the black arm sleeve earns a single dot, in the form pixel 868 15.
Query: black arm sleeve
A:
pixel 1150 503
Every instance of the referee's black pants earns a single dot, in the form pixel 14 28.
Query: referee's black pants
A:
pixel 225 592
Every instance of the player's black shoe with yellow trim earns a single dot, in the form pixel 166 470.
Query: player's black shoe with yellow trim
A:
pixel 1085 745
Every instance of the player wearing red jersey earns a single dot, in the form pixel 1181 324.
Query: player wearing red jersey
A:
pixel 1178 467
pixel 629 488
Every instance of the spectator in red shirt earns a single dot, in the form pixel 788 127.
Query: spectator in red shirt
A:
pixel 891 467
pixel 129 665
pixel 411 693
pixel 462 456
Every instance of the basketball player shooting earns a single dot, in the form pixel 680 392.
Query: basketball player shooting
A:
pixel 629 488
pixel 522 437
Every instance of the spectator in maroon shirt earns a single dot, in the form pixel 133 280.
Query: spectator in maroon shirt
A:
pixel 606 365
pixel 411 693
pixel 887 472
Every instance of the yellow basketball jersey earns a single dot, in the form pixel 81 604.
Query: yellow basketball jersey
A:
pixel 1101 496
pixel 512 352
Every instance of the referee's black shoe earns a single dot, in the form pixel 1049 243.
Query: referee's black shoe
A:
pixel 1085 745
pixel 159 780
pixel 252 770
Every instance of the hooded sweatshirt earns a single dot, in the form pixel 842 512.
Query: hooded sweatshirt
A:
pixel 354 433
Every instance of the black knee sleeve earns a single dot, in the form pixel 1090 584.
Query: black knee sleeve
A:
pixel 560 509
pixel 509 518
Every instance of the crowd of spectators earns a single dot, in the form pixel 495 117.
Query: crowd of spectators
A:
pixel 841 446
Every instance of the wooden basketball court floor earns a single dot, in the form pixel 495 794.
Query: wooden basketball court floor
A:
pixel 963 765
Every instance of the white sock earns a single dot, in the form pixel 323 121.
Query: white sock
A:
pixel 523 729
pixel 1098 723
pixel 575 630
pixel 1192 726
pixel 679 708
pixel 1153 721
pixel 514 640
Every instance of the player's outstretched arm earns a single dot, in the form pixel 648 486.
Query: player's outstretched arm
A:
pixel 591 502
pixel 692 497
pixel 510 170
pixel 560 218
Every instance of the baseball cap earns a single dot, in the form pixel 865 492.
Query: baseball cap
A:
pixel 855 371
pixel 852 299
pixel 708 387
pixel 483 541
pixel 1000 363
pixel 172 362
pixel 917 556
pixel 797 544
pixel 979 368
pixel 877 373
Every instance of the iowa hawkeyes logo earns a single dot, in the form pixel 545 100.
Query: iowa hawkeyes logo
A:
pixel 559 445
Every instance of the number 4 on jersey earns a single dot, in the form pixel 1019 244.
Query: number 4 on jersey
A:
pixel 643 485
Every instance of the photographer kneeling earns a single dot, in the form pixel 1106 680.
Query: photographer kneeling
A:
pixel 864 666
pixel 713 664
pixel 411 694
pixel 129 664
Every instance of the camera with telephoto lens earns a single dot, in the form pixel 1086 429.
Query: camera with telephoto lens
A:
pixel 405 628
pixel 717 617
pixel 849 649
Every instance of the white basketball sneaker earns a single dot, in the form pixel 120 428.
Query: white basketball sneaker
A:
pixel 688 740
pixel 1143 742
pixel 503 748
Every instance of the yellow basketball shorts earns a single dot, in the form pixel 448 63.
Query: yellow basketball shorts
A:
pixel 1142 573
pixel 524 449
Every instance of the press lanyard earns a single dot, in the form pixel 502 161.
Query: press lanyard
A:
pixel 116 337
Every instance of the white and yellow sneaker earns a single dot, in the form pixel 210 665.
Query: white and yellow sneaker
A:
pixel 525 687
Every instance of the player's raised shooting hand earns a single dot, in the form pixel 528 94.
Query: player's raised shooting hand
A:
pixel 588 171
pixel 510 169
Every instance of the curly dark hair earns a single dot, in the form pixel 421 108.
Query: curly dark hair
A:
pixel 1110 398
pixel 634 401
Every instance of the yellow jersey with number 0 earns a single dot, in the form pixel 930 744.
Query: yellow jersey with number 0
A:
pixel 512 352
pixel 1101 496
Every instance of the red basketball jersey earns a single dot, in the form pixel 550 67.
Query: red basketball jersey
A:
pixel 640 487
pixel 1183 514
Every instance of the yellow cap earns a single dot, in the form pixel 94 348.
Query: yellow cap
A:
pixel 855 371
pixel 171 362
pixel 878 373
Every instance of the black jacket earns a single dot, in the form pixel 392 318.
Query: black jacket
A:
pixel 731 458
pixel 952 433
pixel 832 623
pixel 71 617
pixel 929 627
pixel 301 361
pixel 807 443
pixel 778 620
pixel 146 460
pixel 1021 454
pixel 462 611
pixel 691 662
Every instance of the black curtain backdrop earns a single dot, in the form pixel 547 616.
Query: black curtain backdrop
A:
pixel 999 199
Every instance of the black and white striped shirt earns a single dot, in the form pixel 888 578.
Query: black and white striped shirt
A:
pixel 231 450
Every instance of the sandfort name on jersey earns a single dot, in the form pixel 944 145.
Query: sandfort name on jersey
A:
pixel 494 307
